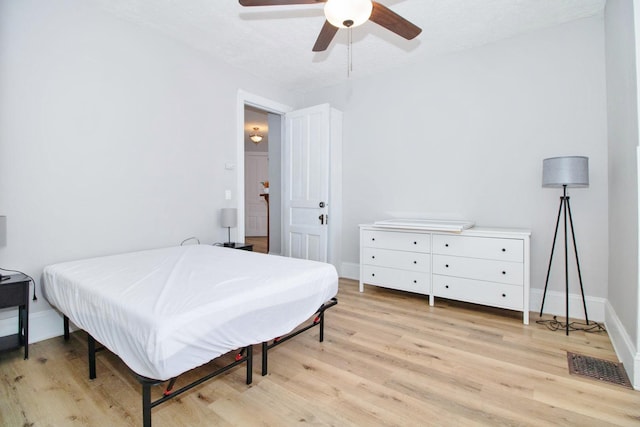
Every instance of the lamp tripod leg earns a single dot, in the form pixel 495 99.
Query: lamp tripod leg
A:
pixel 565 199
pixel 553 246
pixel 575 248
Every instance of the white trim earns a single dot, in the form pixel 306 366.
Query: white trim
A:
pixel 628 352
pixel 554 303
pixel 350 270
pixel 42 325
pixel 246 98
pixel 623 345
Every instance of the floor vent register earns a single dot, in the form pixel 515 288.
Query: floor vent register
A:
pixel 599 369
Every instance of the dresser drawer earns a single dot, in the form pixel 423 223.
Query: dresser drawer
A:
pixel 479 247
pixel 415 261
pixel 414 242
pixel 405 280
pixel 480 269
pixel 479 292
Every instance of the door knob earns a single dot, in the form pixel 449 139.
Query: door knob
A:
pixel 322 204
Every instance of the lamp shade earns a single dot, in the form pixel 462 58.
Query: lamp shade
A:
pixel 3 231
pixel 572 171
pixel 228 217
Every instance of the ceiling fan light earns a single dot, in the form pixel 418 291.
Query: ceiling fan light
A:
pixel 347 13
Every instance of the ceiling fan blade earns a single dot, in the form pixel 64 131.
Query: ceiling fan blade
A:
pixel 327 33
pixel 390 20
pixel 278 2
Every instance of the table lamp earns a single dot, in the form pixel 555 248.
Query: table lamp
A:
pixel 228 219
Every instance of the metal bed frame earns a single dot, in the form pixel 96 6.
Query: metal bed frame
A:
pixel 317 321
pixel 245 355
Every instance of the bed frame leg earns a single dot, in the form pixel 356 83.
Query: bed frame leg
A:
pixel 146 404
pixel 249 364
pixel 91 346
pixel 66 328
pixel 265 349
pixel 322 327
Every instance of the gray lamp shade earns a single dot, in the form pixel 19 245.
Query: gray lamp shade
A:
pixel 228 217
pixel 3 231
pixel 572 171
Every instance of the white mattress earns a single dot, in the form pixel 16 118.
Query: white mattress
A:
pixel 169 310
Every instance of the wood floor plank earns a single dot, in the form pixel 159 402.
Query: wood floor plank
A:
pixel 388 359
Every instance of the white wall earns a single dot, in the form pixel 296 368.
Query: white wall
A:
pixel 112 137
pixel 623 181
pixel 465 135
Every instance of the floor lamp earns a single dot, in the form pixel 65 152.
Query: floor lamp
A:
pixel 564 172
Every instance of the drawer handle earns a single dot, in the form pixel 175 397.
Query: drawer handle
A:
pixel 504 272
pixel 415 262
pixel 415 281
pixel 446 265
pixel 504 295
pixel 446 245
pixel 446 286
pixel 373 274
pixel 373 239
pixel 373 257
pixel 504 250
pixel 415 243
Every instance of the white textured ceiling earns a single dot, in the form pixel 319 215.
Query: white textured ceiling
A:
pixel 275 42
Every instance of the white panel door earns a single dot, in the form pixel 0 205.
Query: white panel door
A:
pixel 257 171
pixel 306 182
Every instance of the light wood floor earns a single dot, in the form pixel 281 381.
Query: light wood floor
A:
pixel 388 359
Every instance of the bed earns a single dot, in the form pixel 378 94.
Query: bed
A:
pixel 169 310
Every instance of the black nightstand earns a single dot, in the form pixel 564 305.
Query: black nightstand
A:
pixel 235 245
pixel 14 292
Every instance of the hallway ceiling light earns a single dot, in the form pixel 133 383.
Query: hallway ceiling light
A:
pixel 255 136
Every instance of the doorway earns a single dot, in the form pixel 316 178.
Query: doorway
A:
pixel 262 179
pixel 330 126
pixel 260 217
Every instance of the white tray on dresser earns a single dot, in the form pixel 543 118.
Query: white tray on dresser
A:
pixel 488 266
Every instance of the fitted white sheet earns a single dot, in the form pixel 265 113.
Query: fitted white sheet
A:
pixel 166 311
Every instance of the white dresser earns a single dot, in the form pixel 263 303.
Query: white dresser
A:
pixel 488 266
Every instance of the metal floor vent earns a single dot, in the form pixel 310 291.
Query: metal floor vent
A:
pixel 599 369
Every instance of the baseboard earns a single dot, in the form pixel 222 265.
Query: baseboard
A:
pixel 42 325
pixel 554 302
pixel 623 346
pixel 350 270
pixel 48 323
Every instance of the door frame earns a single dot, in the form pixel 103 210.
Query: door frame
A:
pixel 246 98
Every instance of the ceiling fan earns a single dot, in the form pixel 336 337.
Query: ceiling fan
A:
pixel 348 14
